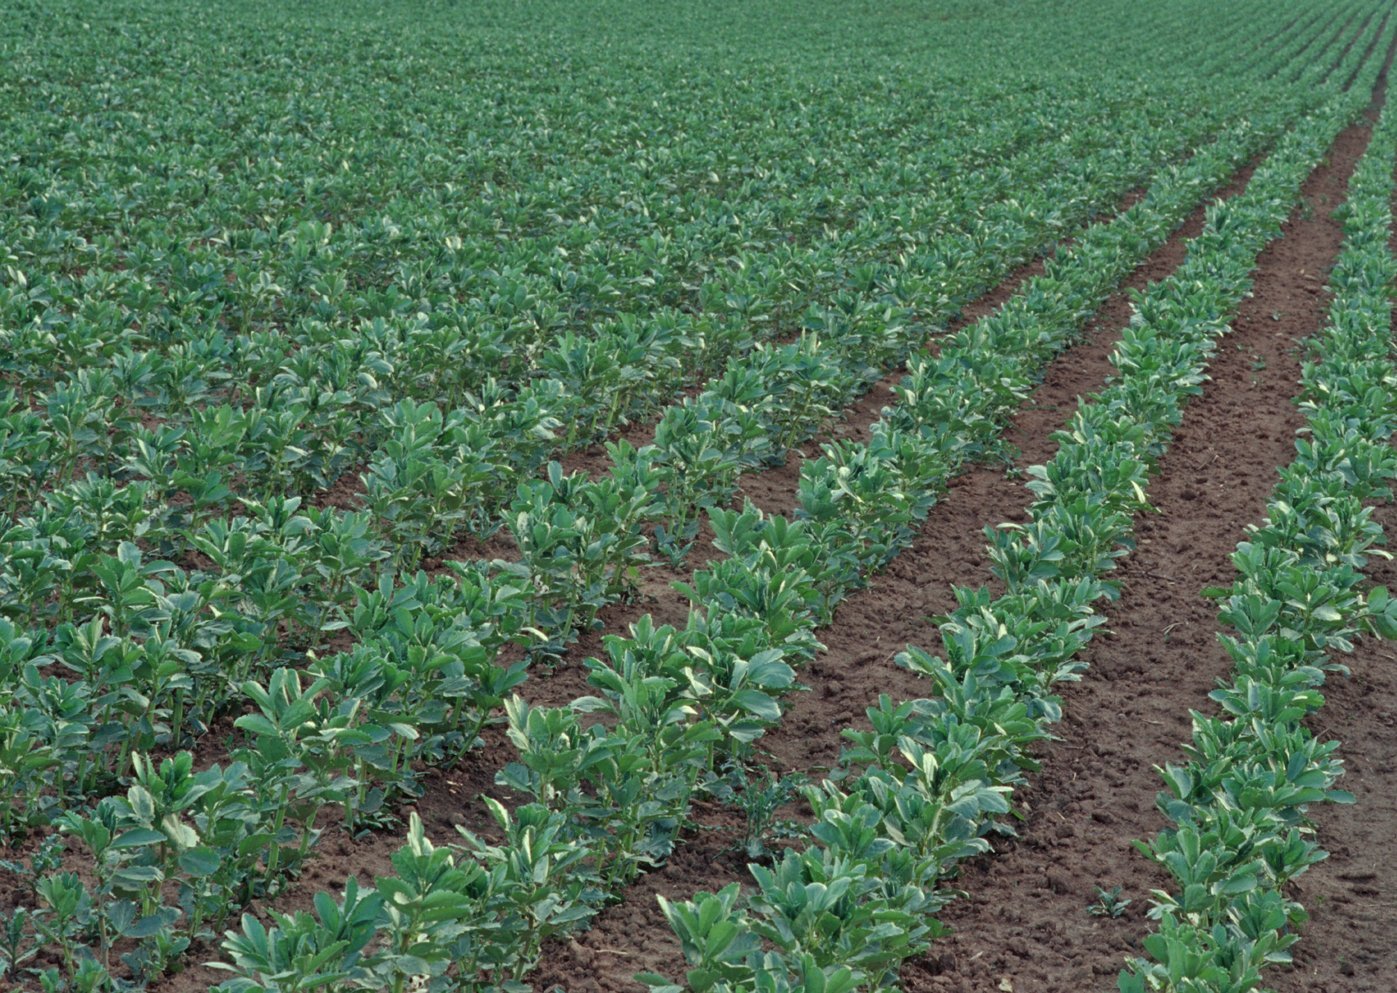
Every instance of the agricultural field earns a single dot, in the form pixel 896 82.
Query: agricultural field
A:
pixel 735 497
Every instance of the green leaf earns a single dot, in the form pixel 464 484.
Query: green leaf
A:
pixel 199 862
pixel 138 838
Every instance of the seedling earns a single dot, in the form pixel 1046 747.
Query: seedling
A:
pixel 761 795
pixel 1108 903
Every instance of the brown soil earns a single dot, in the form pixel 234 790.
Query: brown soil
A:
pixel 1025 921
pixel 1096 789
pixel 1347 947
pixel 1347 944
pixel 868 630
pixel 774 490
pixel 450 797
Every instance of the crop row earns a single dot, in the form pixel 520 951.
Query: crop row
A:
pixel 317 409
pixel 292 408
pixel 1238 806
pixel 294 567
pixel 588 191
pixel 325 413
pixel 279 568
pixel 156 648
pixel 119 653
pixel 609 797
pixel 591 167
pixel 99 418
pixel 930 782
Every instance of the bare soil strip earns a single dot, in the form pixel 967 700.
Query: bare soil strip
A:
pixel 1026 922
pixel 868 630
pixel 1347 946
pixel 774 490
pixel 633 935
pixel 450 796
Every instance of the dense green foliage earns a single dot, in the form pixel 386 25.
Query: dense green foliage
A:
pixel 1239 804
pixel 929 783
pixel 299 301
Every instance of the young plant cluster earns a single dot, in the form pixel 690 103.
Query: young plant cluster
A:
pixel 929 783
pixel 185 639
pixel 676 702
pixel 1240 830
pixel 162 610
pixel 198 357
